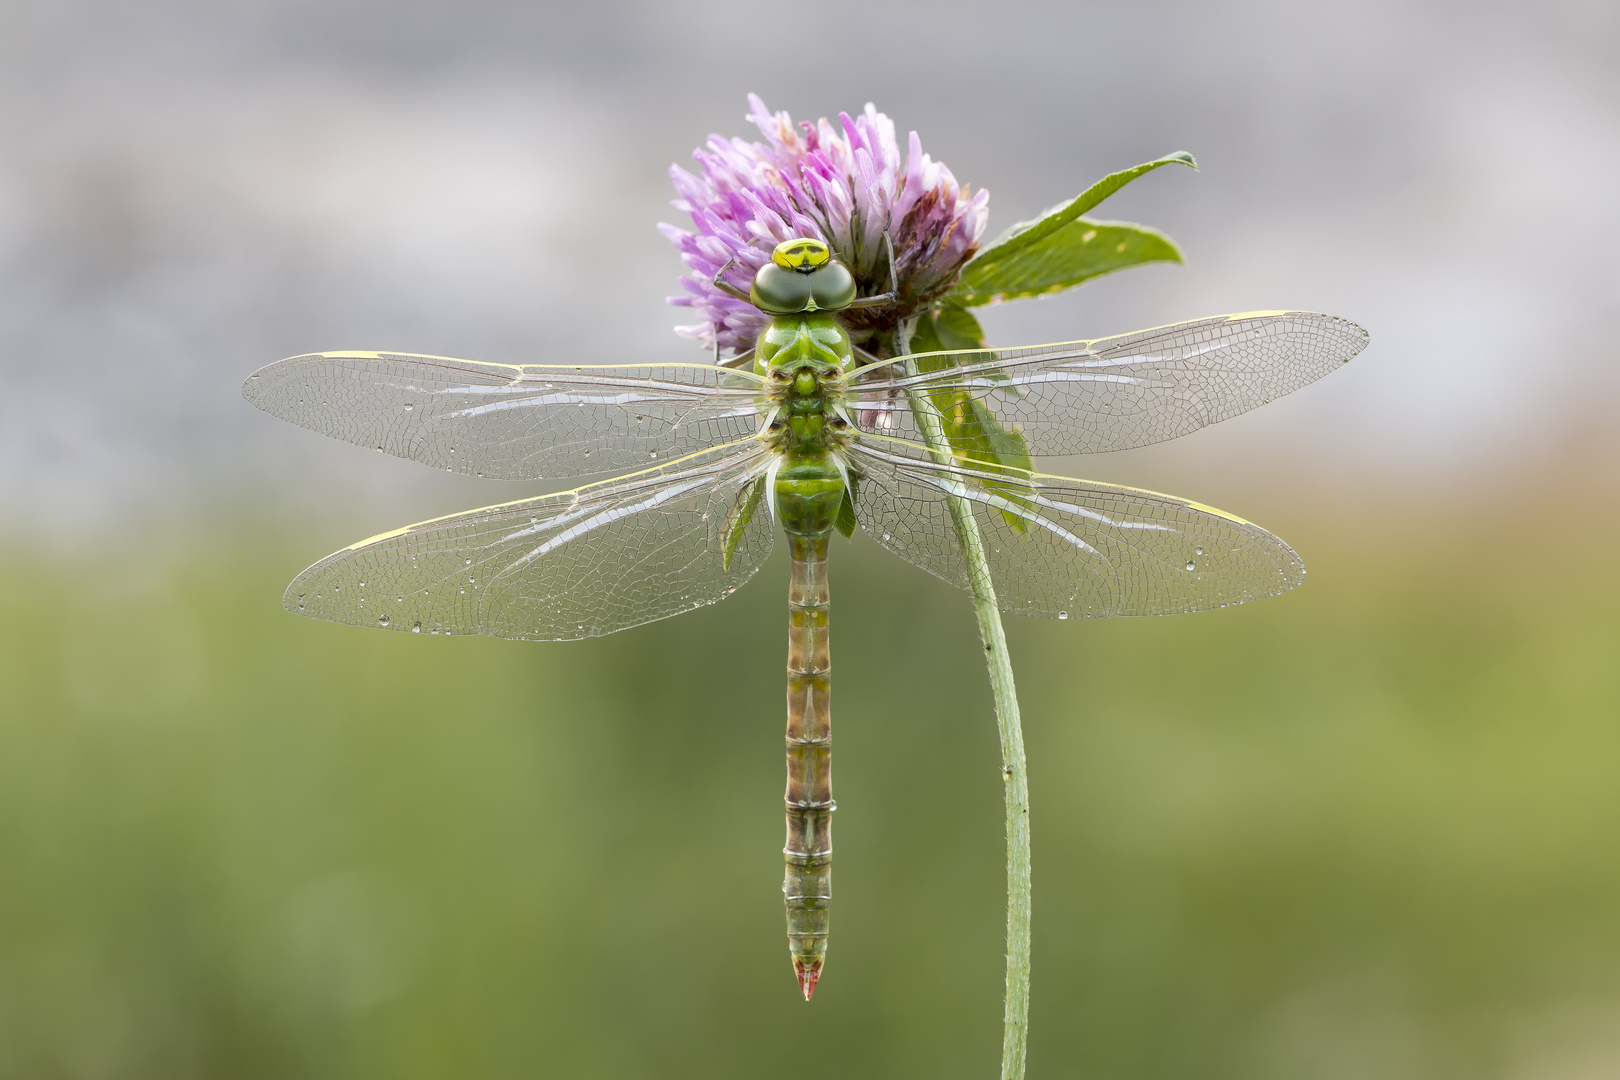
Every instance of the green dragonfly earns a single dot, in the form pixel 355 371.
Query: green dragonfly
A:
pixel 817 436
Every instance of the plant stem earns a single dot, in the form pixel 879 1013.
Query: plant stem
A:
pixel 1015 1015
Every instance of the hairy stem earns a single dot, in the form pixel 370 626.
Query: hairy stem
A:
pixel 1015 1016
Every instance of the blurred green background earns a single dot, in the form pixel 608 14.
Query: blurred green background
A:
pixel 1363 830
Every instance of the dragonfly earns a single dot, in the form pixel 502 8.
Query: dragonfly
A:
pixel 810 434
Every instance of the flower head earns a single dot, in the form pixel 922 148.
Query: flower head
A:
pixel 844 184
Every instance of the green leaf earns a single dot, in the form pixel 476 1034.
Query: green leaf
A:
pixel 977 438
pixel 846 511
pixel 947 327
pixel 742 512
pixel 1076 252
pixel 1052 252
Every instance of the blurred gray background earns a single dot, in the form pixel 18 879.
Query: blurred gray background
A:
pixel 1363 831
pixel 189 190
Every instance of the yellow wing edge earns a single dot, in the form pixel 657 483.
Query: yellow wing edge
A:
pixel 574 492
pixel 1031 475
pixel 1088 343
pixel 358 354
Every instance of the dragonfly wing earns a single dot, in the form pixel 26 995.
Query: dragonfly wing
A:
pixel 1059 547
pixel 560 567
pixel 510 422
pixel 1086 397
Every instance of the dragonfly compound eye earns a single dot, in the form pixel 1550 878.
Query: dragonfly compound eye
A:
pixel 829 287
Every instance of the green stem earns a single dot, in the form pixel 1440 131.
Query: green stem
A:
pixel 1015 1016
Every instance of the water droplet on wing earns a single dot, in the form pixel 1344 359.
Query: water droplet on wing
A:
pixel 382 620
pixel 416 628
pixel 1190 564
pixel 1063 614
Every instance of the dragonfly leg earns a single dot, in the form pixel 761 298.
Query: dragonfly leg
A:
pixel 894 281
pixel 807 886
pixel 865 357
pixel 727 287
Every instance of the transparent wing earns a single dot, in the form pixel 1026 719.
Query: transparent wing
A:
pixel 1085 397
pixel 509 422
pixel 560 567
pixel 1059 547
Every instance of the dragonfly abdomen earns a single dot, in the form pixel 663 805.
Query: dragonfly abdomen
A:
pixel 809 490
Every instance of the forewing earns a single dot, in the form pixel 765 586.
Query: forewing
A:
pixel 560 567
pixel 509 422
pixel 1085 397
pixel 1061 548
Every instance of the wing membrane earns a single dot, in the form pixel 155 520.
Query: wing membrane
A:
pixel 560 567
pixel 510 422
pixel 1086 397
pixel 1059 547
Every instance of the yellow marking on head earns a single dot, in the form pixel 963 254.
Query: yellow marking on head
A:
pixel 803 254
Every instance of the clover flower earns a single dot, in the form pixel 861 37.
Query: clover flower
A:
pixel 844 184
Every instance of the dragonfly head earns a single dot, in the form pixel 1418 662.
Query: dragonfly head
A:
pixel 802 276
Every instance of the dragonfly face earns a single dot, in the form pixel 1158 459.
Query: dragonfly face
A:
pixel 828 446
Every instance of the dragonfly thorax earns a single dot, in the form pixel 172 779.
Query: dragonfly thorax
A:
pixel 816 339
pixel 805 356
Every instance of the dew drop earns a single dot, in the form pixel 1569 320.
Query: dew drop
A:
pixel 1189 564
pixel 1198 551
pixel 416 628
pixel 382 620
pixel 885 536
pixel 452 449
pixel 1063 614
pixel 652 453
pixel 409 406
pixel 469 562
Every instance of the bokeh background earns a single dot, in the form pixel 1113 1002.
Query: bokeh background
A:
pixel 1367 830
